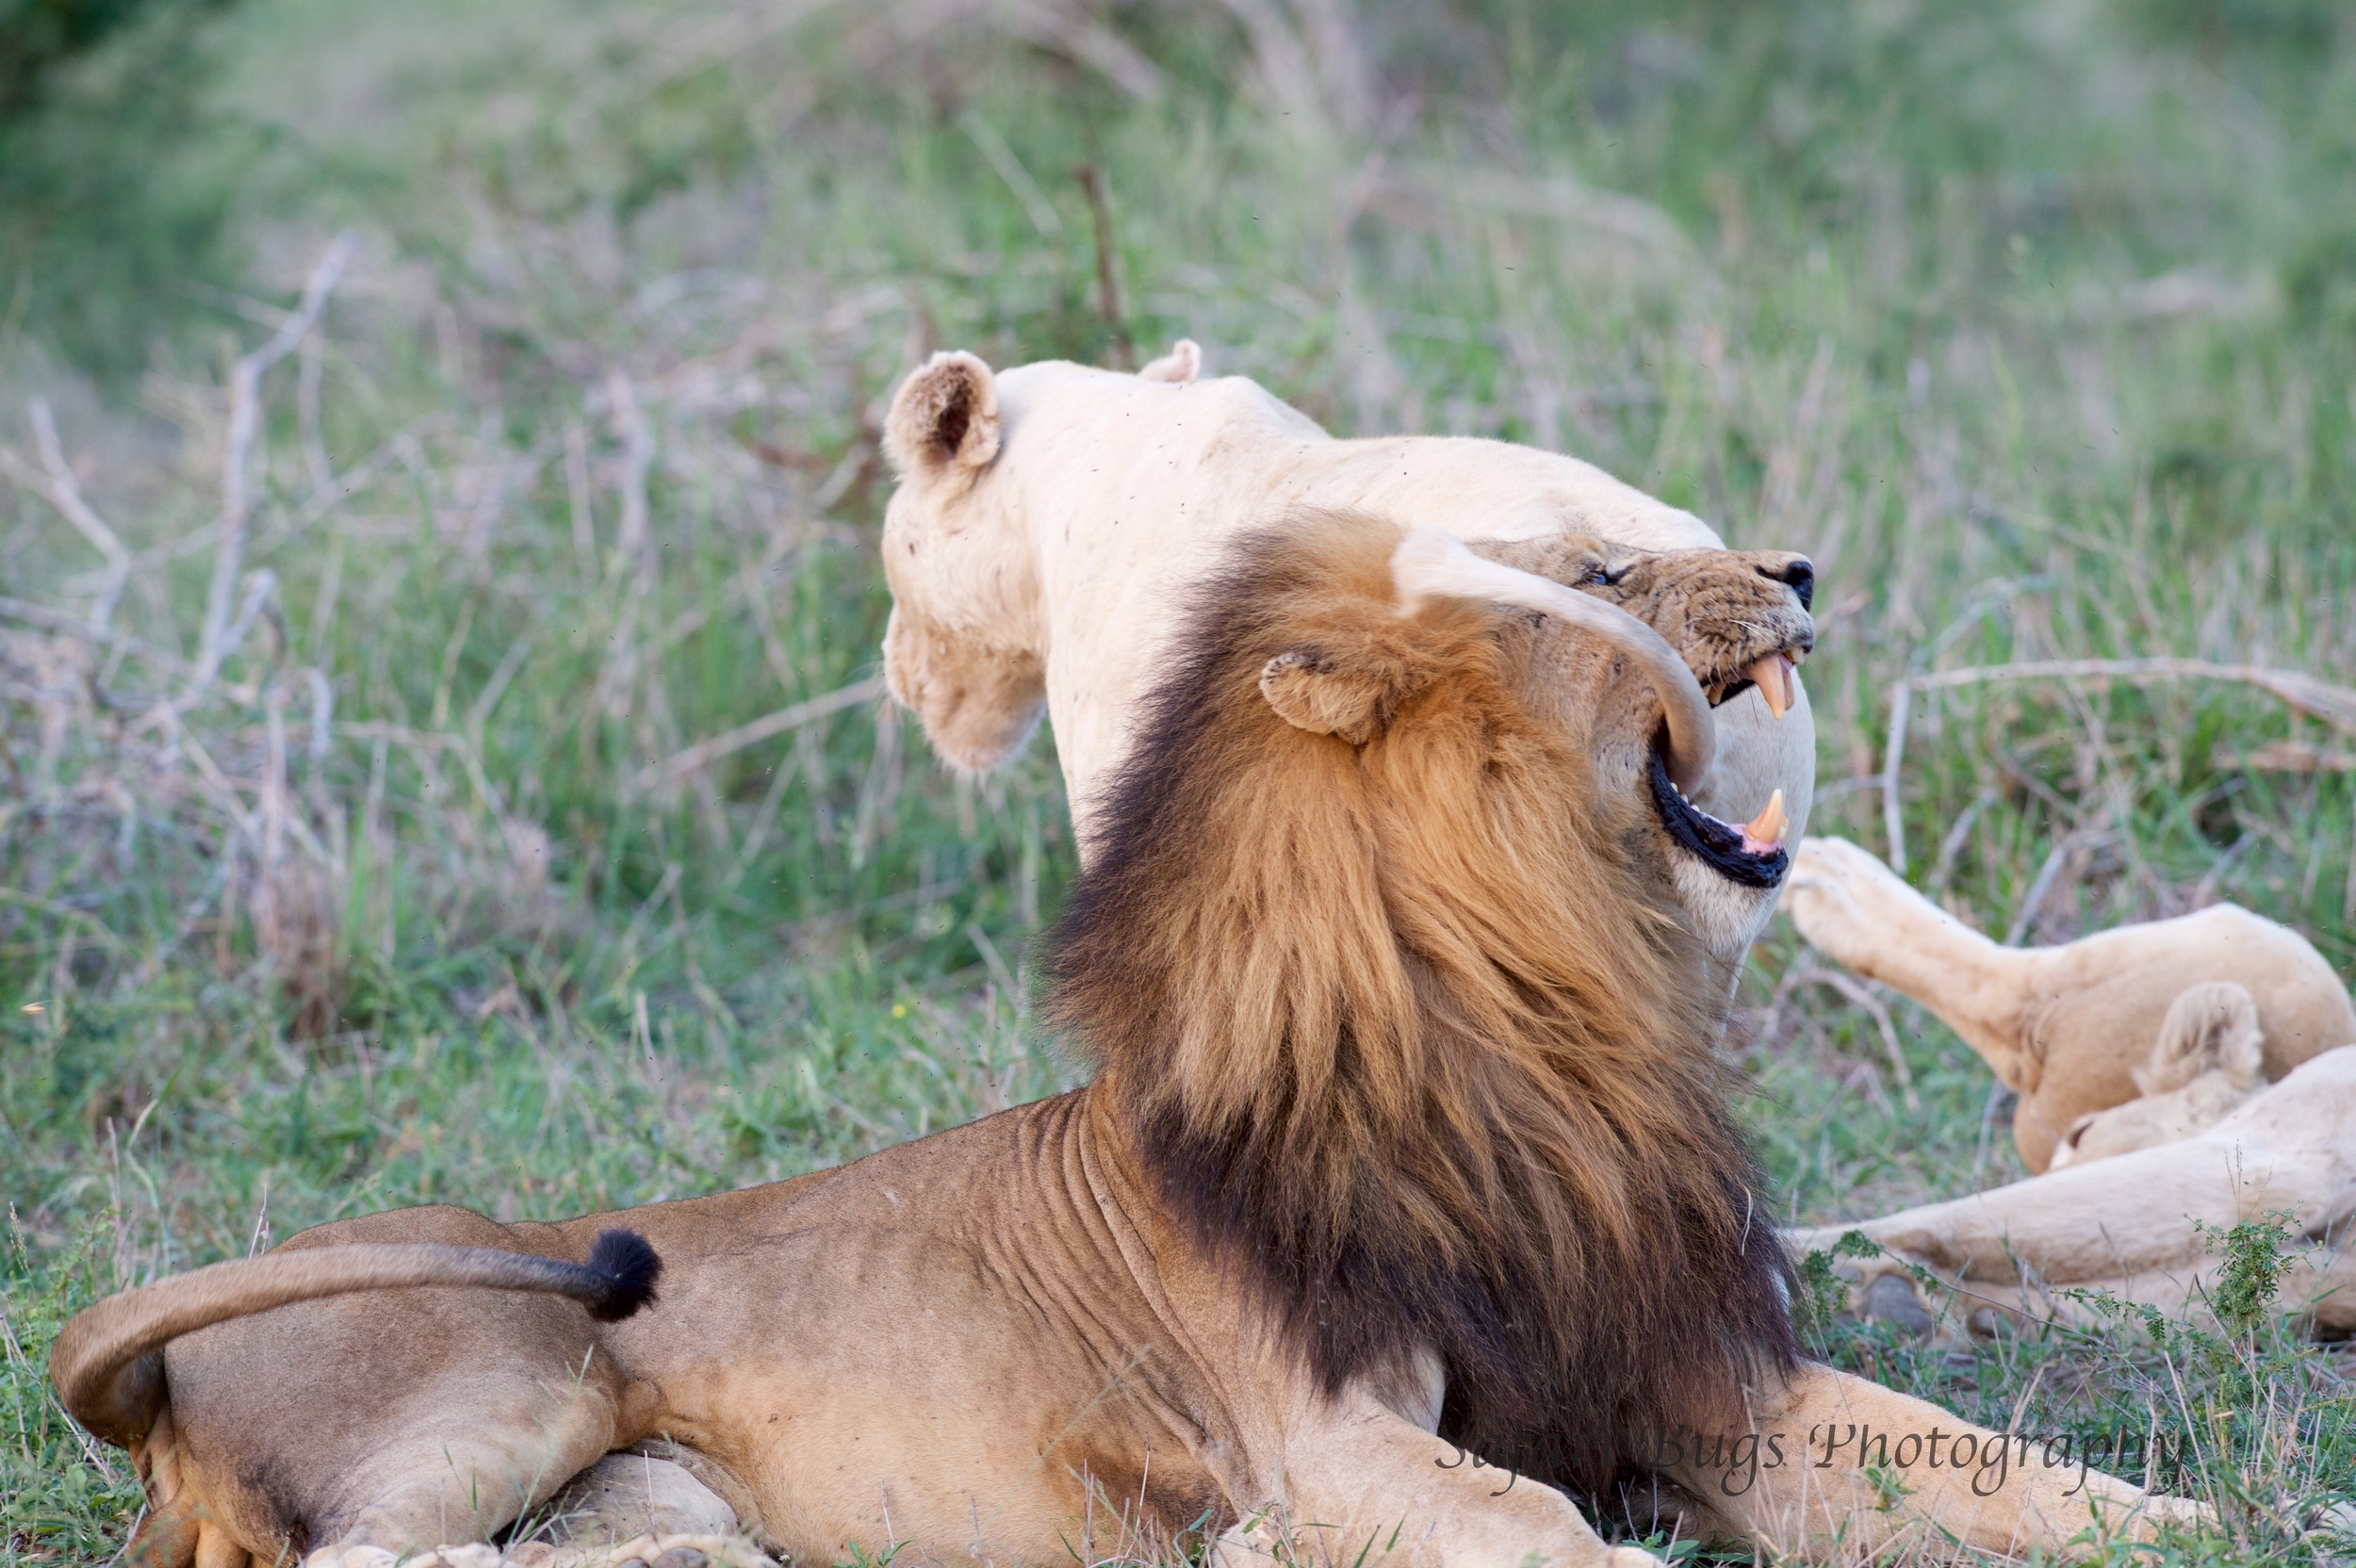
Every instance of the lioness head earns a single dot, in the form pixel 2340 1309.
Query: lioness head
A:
pixel 956 655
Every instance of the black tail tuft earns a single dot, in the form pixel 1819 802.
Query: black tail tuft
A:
pixel 627 1263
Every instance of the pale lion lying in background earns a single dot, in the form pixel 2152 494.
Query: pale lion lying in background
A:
pixel 2142 1056
pixel 2083 1028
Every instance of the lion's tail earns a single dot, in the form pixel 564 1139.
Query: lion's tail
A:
pixel 107 1361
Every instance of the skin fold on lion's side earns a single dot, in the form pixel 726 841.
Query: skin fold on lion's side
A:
pixel 1407 1142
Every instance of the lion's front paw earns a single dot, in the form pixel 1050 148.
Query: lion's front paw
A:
pixel 1629 1557
pixel 682 1550
pixel 475 1555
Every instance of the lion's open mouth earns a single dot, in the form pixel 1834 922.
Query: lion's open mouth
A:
pixel 1750 853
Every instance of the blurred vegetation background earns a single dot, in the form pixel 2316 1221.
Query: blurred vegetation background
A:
pixel 378 821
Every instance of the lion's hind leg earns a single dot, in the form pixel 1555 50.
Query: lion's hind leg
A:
pixel 407 1419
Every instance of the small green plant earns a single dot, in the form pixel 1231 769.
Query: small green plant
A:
pixel 2255 1260
pixel 1824 1296
pixel 1890 1486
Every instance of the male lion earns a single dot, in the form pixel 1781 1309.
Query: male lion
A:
pixel 1408 1145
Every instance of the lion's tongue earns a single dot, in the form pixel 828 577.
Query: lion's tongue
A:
pixel 1773 677
pixel 1763 832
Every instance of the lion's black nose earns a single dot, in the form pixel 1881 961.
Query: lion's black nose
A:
pixel 1799 574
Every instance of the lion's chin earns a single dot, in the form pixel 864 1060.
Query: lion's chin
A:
pixel 1726 874
pixel 1725 916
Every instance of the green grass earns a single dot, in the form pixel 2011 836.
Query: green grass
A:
pixel 2036 327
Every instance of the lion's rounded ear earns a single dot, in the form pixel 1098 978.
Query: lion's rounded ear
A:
pixel 945 419
pixel 1182 364
pixel 2209 1028
pixel 1308 691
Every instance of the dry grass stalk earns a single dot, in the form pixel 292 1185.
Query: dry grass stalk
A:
pixel 696 757
pixel 189 766
pixel 2335 705
pixel 245 414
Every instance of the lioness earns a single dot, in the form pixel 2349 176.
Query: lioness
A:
pixel 2142 1056
pixel 2071 1029
pixel 1408 1147
pixel 2137 1226
pixel 1048 517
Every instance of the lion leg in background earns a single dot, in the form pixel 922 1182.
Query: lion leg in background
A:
pixel 443 1415
pixel 1362 1484
pixel 1843 1462
pixel 2125 1223
pixel 2318 1291
pixel 2066 1026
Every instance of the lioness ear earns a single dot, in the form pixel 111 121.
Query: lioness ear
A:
pixel 945 419
pixel 2209 1028
pixel 1311 693
pixel 1181 365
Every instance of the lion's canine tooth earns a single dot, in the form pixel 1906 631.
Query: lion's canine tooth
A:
pixel 1766 829
pixel 1773 677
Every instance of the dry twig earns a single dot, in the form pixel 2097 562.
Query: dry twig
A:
pixel 57 484
pixel 2335 705
pixel 1809 975
pixel 704 752
pixel 245 418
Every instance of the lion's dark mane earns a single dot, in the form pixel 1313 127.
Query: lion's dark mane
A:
pixel 1405 1031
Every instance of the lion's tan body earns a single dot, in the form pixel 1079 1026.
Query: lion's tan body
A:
pixel 965 1343
pixel 966 1334
pixel 948 1343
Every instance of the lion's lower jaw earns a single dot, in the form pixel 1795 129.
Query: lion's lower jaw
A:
pixel 1725 916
